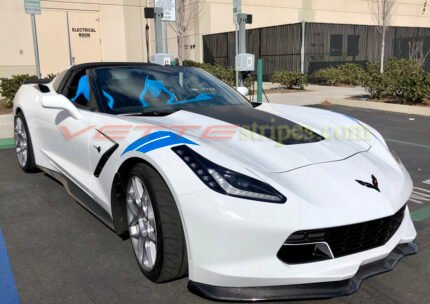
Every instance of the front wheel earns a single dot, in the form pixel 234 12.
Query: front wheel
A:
pixel 23 144
pixel 155 226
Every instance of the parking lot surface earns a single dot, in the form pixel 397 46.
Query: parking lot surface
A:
pixel 60 253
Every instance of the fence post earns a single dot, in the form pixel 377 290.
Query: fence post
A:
pixel 302 51
pixel 260 80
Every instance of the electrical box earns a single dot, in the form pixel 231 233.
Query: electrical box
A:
pixel 149 12
pixel 245 62
pixel 161 59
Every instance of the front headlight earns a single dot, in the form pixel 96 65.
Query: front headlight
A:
pixel 227 181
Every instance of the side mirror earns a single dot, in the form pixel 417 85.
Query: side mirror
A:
pixel 243 90
pixel 62 103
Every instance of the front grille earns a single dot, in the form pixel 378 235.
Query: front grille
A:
pixel 350 239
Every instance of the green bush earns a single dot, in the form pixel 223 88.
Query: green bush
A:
pixel 51 76
pixel 290 79
pixel 225 74
pixel 328 76
pixel 352 74
pixel 9 87
pixel 348 74
pixel 375 83
pixel 407 80
pixel 403 79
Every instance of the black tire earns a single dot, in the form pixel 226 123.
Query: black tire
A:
pixel 172 260
pixel 30 164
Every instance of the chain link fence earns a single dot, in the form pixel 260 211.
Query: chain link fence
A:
pixel 324 45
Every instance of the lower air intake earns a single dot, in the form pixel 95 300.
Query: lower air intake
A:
pixel 342 240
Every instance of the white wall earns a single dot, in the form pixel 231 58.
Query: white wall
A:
pixel 121 26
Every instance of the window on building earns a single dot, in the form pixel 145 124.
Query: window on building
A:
pixel 353 45
pixel 336 45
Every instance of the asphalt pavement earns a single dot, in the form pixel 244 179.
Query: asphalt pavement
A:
pixel 60 253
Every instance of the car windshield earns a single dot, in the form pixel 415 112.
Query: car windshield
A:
pixel 160 89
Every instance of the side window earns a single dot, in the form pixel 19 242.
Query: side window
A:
pixel 58 80
pixel 353 45
pixel 79 90
pixel 336 45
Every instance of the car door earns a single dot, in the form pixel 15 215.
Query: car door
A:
pixel 104 140
pixel 64 139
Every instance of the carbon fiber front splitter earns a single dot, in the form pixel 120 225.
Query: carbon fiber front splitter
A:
pixel 305 291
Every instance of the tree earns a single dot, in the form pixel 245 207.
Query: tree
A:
pixel 382 11
pixel 185 13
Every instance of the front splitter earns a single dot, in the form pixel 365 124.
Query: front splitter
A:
pixel 305 291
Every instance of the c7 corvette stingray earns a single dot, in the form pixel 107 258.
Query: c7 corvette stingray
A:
pixel 252 201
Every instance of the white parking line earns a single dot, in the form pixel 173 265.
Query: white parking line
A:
pixel 420 195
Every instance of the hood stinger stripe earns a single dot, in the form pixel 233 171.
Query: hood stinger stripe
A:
pixel 263 123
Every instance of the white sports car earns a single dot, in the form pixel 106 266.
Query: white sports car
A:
pixel 252 201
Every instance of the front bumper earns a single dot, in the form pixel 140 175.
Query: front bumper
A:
pixel 305 291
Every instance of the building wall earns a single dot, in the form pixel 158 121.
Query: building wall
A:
pixel 119 27
pixel 16 44
pixel 277 12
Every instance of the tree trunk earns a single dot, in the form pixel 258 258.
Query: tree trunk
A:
pixel 383 49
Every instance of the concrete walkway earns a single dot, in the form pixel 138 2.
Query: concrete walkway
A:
pixel 314 94
pixel 6 126
pixel 391 107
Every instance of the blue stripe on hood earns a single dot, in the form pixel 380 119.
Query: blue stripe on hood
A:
pixel 157 140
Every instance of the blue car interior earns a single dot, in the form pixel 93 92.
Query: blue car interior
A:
pixel 110 99
pixel 83 89
pixel 155 88
pixel 119 92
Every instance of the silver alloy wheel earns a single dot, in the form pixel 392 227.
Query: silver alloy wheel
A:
pixel 21 142
pixel 141 223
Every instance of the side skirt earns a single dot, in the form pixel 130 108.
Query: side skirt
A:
pixel 82 198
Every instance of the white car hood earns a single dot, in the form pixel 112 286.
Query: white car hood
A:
pixel 262 153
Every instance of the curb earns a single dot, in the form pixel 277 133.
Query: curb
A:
pixel 7 143
pixel 397 108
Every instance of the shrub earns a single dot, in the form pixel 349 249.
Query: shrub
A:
pixel 348 74
pixel 9 87
pixel 290 79
pixel 226 74
pixel 51 76
pixel 407 80
pixel 352 74
pixel 328 76
pixel 403 79
pixel 375 83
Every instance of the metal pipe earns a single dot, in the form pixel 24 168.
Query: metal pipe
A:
pixel 302 51
pixel 242 33
pixel 237 52
pixel 68 40
pixel 166 46
pixel 36 45
pixel 158 15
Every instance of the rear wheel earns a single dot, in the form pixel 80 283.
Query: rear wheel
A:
pixel 155 226
pixel 23 144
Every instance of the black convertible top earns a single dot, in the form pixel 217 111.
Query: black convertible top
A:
pixel 90 65
pixel 81 68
